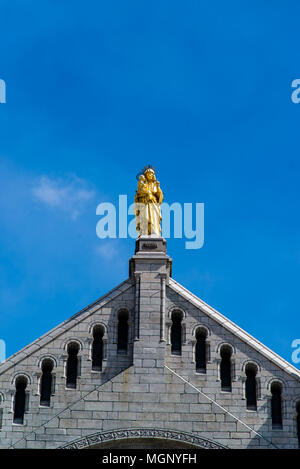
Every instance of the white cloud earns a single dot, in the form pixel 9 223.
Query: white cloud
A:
pixel 70 194
pixel 107 250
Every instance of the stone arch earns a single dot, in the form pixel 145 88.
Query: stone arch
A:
pixel 253 363
pixel 116 311
pixel 278 400
pixel 275 380
pixel 294 401
pixel 46 380
pixel 226 365
pixel 20 398
pixel 199 327
pixel 72 362
pixel 176 308
pixel 226 345
pixel 21 374
pixel 204 331
pixel 100 326
pixel 47 357
pixel 1 408
pixel 139 434
pixel 122 306
pixel 297 419
pixel 71 340
pixel 169 321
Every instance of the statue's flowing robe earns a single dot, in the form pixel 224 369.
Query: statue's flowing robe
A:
pixel 147 212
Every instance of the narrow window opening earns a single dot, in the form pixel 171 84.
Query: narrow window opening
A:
pixel 251 387
pixel 97 348
pixel 225 368
pixel 176 333
pixel 46 383
pixel 276 405
pixel 1 411
pixel 200 351
pixel 72 366
pixel 298 422
pixel 122 332
pixel 20 400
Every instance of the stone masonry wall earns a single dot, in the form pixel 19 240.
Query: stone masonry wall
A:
pixel 148 388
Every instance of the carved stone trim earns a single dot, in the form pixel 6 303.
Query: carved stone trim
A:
pixel 113 435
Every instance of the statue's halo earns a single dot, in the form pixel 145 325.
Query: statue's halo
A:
pixel 144 170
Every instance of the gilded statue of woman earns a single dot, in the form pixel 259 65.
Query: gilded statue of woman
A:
pixel 148 199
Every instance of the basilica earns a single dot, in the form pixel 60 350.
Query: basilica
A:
pixel 149 365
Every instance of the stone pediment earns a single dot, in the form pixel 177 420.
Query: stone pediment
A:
pixel 65 326
pixel 233 328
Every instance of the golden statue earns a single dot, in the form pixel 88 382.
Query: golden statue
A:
pixel 147 202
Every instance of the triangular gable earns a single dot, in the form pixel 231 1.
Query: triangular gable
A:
pixel 176 287
pixel 234 329
pixel 64 326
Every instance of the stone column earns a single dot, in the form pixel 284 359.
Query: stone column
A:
pixel 151 265
pixel 137 307
pixel 163 278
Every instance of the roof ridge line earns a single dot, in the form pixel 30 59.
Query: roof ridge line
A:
pixel 10 361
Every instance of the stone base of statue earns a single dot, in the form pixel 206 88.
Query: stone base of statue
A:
pixel 150 250
pixel 150 243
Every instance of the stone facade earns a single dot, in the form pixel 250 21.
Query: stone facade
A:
pixel 148 397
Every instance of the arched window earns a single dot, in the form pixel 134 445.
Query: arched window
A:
pixel 251 386
pixel 72 365
pixel 46 382
pixel 225 368
pixel 176 333
pixel 122 332
pixel 20 400
pixel 298 421
pixel 276 405
pixel 1 410
pixel 200 350
pixel 97 348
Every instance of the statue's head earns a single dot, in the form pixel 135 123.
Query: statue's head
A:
pixel 150 175
pixel 148 172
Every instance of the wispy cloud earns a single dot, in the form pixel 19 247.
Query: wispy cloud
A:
pixel 108 250
pixel 69 195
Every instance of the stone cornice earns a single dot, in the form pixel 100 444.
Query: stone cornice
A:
pixel 64 326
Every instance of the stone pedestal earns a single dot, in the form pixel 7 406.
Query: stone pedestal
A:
pixel 150 269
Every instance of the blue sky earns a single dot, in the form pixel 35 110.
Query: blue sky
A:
pixel 201 90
